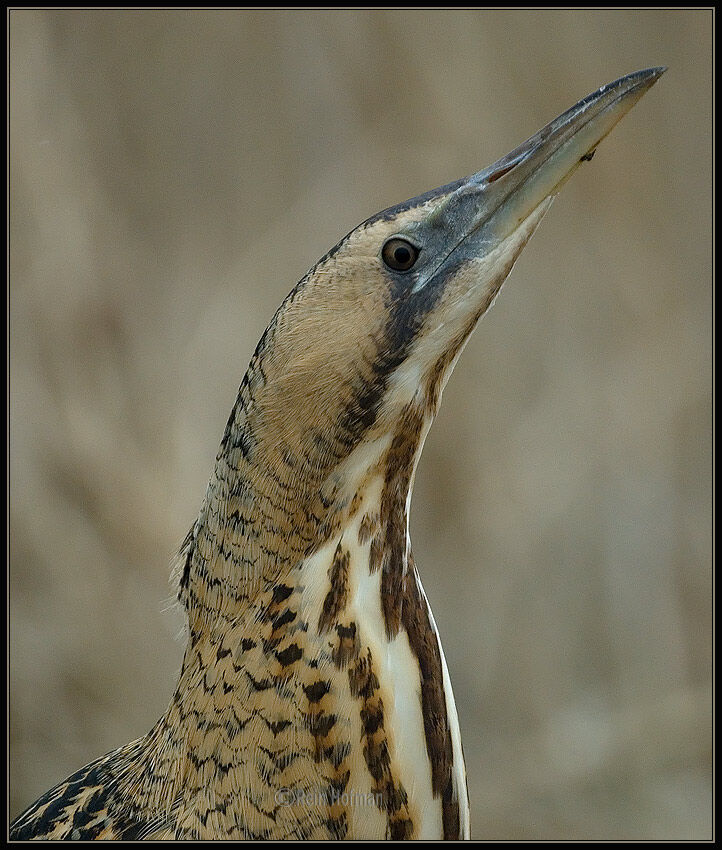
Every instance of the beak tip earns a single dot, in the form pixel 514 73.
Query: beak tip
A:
pixel 653 74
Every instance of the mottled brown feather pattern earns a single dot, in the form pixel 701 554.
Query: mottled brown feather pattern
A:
pixel 337 595
pixel 404 604
pixel 398 472
pixel 368 527
pixel 366 687
pixel 425 646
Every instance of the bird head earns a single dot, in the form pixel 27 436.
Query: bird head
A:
pixel 345 382
pixel 379 321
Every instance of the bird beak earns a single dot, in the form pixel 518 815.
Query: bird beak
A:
pixel 486 208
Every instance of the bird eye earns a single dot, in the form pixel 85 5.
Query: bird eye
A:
pixel 398 254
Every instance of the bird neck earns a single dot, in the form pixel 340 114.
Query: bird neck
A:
pixel 308 674
pixel 272 504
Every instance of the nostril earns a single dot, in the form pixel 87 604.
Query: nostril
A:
pixel 509 162
pixel 501 172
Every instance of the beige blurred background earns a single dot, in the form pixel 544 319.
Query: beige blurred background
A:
pixel 173 174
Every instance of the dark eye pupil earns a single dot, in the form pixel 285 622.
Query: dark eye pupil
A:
pixel 399 255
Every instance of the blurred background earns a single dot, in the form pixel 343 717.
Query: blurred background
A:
pixel 173 174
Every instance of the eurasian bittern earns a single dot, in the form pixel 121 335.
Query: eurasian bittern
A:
pixel 314 700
